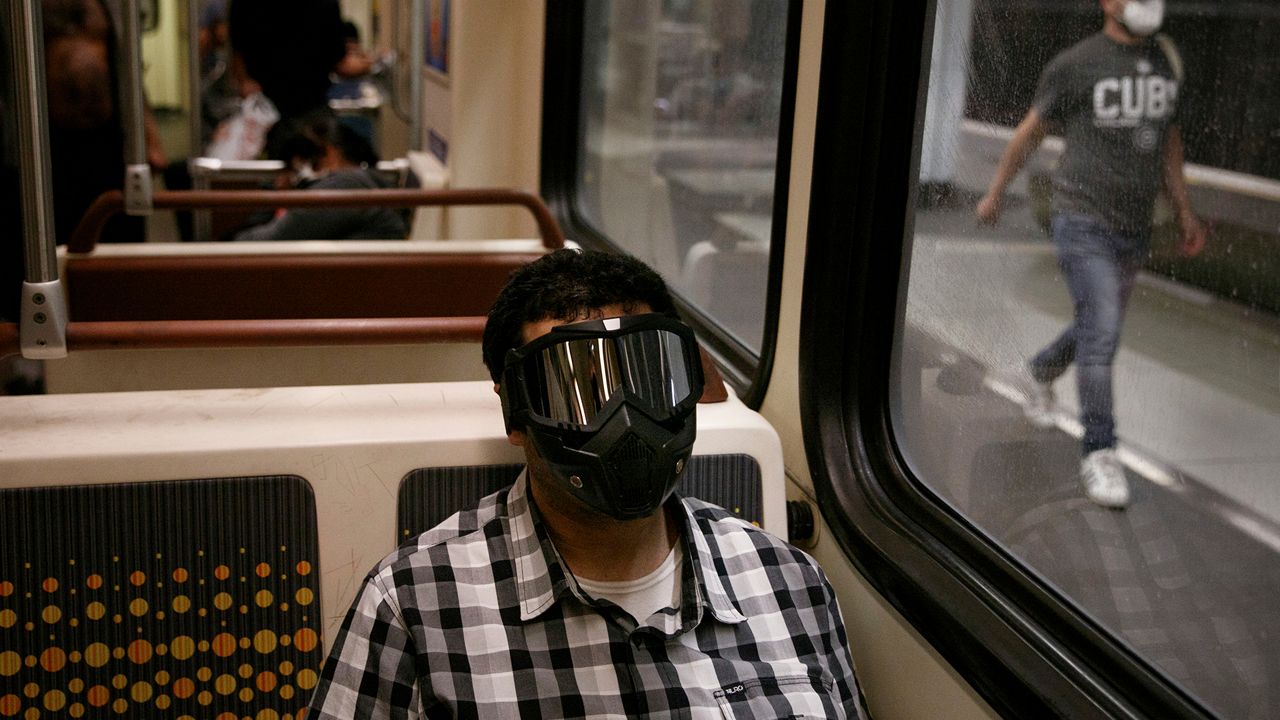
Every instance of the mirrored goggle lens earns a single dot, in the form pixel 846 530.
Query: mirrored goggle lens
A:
pixel 572 380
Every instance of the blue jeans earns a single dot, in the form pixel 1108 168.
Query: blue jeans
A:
pixel 1100 266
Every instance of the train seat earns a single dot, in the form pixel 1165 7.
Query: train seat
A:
pixel 308 279
pixel 202 315
pixel 430 495
pixel 160 596
pixel 214 174
pixel 141 575
pixel 298 280
pixel 719 273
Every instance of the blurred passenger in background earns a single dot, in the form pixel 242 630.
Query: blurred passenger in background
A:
pixel 1114 97
pixel 264 63
pixel 356 62
pixel 325 154
pixel 86 136
pixel 220 89
pixel 352 81
pixel 289 47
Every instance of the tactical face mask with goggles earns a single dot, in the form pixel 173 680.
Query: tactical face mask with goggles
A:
pixel 609 406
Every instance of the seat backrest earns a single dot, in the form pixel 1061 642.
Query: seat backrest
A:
pixel 321 280
pixel 430 495
pixel 213 174
pixel 189 553
pixel 172 596
pixel 357 280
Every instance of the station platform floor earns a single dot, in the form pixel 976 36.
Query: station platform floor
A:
pixel 1189 573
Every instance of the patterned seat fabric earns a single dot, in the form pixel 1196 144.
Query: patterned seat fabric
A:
pixel 429 495
pixel 182 599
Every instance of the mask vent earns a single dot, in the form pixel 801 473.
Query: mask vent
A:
pixel 630 450
pixel 629 462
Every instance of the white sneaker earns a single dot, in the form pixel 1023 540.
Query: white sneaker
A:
pixel 1039 405
pixel 1103 478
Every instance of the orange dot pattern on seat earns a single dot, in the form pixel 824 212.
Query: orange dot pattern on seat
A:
pixel 195 599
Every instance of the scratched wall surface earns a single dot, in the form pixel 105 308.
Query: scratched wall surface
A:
pixel 182 599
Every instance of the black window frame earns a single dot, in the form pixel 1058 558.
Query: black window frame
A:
pixel 1024 649
pixel 747 372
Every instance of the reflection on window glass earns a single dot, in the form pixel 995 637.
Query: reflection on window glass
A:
pixel 1089 367
pixel 681 102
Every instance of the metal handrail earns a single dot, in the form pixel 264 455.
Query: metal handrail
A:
pixel 137 171
pixel 195 126
pixel 417 51
pixel 42 332
pixel 1202 175
pixel 85 236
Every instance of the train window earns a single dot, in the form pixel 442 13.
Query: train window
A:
pixel 1081 376
pixel 681 117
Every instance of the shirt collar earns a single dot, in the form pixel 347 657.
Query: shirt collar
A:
pixel 541 578
pixel 709 580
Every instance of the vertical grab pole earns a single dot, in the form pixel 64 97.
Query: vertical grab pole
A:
pixel 417 56
pixel 43 325
pixel 137 173
pixel 195 94
pixel 201 221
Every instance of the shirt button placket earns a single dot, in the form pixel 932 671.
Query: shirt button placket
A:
pixel 649 648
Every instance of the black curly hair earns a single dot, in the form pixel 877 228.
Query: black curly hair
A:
pixel 567 285
pixel 308 135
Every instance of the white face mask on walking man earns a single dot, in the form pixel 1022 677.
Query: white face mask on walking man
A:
pixel 1142 18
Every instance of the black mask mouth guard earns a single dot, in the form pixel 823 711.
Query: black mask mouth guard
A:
pixel 572 378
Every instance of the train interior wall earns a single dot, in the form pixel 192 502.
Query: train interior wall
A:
pixel 485 107
pixel 902 675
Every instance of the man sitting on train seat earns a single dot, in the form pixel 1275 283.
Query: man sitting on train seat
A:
pixel 1114 96
pixel 588 588
pixel 326 154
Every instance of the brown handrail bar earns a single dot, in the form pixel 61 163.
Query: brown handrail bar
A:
pixel 85 236
pixel 116 335
pixel 169 334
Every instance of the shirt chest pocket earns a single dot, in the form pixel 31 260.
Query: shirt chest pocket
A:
pixel 792 696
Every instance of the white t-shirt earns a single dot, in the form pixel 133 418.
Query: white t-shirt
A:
pixel 643 596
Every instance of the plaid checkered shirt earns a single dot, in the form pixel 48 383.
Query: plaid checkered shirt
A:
pixel 479 618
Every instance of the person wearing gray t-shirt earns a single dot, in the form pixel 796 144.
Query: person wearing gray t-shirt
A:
pixel 325 154
pixel 1114 98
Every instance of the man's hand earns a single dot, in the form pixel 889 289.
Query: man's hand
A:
pixel 1194 234
pixel 1026 138
pixel 156 157
pixel 989 209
